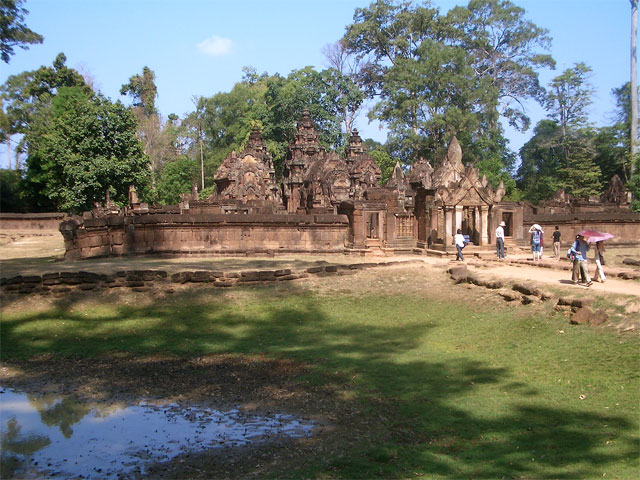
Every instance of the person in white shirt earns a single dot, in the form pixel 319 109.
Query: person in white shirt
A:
pixel 500 240
pixel 458 239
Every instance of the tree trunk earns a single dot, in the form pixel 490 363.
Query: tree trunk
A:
pixel 202 162
pixel 634 85
pixel 8 152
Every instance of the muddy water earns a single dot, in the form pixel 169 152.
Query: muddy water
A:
pixel 62 437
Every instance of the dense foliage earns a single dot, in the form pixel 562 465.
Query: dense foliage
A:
pixel 13 31
pixel 429 76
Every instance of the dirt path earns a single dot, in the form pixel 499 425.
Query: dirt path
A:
pixel 559 278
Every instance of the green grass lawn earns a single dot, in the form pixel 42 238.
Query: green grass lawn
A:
pixel 451 390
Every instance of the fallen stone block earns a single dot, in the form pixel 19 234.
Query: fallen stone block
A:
pixel 575 302
pixel 315 269
pixel 331 268
pixel 528 299
pixel 134 284
pixel 631 261
pixel 494 284
pixel 526 289
pixel 457 268
pixel 283 272
pixel 510 296
pixel 546 295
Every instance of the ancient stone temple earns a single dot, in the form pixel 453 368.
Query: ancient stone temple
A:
pixel 326 202
pixel 453 197
pixel 246 181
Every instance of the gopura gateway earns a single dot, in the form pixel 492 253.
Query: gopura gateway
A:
pixel 328 203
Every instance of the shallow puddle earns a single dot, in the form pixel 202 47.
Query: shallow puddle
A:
pixel 53 436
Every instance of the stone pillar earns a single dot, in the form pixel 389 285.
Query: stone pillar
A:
pixel 448 227
pixel 477 233
pixel 484 226
pixel 433 225
pixel 458 217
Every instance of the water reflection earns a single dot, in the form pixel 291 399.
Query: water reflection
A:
pixel 37 437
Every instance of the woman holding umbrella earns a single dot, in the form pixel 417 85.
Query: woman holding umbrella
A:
pixel 593 236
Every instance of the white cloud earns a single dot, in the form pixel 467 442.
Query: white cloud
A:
pixel 215 46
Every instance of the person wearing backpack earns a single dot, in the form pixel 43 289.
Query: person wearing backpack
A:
pixel 579 251
pixel 536 241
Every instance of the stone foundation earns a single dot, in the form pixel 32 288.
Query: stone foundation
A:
pixel 224 234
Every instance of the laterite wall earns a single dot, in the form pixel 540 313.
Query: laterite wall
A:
pixel 203 234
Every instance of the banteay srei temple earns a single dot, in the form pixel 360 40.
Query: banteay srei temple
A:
pixel 328 203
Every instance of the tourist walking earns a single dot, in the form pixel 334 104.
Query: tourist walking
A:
pixel 500 240
pixel 599 276
pixel 556 242
pixel 536 240
pixel 458 239
pixel 579 251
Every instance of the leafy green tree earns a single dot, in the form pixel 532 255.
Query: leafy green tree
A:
pixel 550 161
pixel 157 136
pixel 437 76
pixel 385 162
pixel 23 94
pixel 143 90
pixel 541 157
pixel 569 97
pixel 13 31
pixel 80 147
pixel 10 191
pixel 177 177
pixel 507 50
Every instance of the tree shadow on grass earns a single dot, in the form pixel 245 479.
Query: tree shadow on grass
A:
pixel 398 417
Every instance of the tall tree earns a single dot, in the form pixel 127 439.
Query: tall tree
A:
pixel 346 71
pixel 508 50
pixel 151 128
pixel 634 85
pixel 81 147
pixel 143 90
pixel 13 31
pixel 22 95
pixel 424 85
pixel 568 99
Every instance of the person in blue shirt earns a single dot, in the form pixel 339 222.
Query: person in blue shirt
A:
pixel 579 250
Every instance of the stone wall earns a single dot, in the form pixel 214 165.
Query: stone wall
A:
pixel 622 223
pixel 31 221
pixel 203 234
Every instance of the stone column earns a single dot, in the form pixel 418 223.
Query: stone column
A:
pixel 433 225
pixel 484 226
pixel 477 225
pixel 448 227
pixel 458 217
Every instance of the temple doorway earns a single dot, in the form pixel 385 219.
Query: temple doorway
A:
pixel 507 218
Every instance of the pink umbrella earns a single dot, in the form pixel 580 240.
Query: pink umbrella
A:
pixel 594 236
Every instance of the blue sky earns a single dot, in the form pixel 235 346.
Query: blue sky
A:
pixel 198 47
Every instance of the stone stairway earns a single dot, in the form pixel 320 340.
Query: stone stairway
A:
pixel 399 246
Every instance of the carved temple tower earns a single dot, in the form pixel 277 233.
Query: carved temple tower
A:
pixel 304 150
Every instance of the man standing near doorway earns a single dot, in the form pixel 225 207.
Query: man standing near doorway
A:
pixel 500 240
pixel 556 242
pixel 458 239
